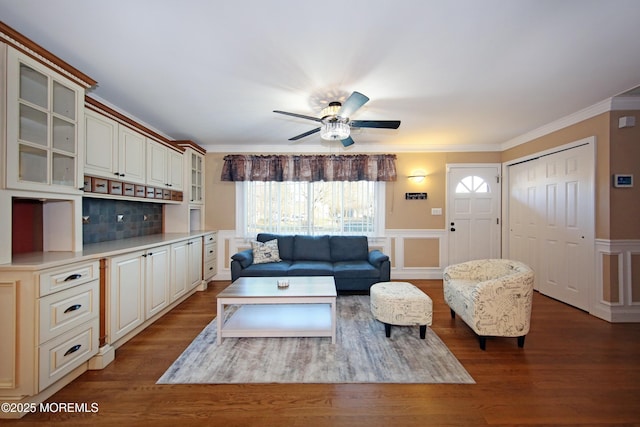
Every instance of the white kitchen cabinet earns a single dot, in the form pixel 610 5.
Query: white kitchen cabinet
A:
pixel 195 262
pixel 164 166
pixel 210 258
pixel 186 267
pixel 126 294
pixel 113 151
pixel 157 279
pixel 50 325
pixel 196 190
pixel 44 127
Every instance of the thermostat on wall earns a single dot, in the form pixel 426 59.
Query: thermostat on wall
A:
pixel 620 180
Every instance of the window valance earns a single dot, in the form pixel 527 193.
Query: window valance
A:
pixel 357 167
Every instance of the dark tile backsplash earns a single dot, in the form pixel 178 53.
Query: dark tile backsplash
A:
pixel 102 224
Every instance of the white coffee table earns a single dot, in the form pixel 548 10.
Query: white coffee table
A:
pixel 307 308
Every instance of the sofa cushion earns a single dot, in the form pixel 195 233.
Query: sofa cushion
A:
pixel 354 269
pixel 285 243
pixel 311 248
pixel 311 268
pixel 265 252
pixel 349 248
pixel 268 269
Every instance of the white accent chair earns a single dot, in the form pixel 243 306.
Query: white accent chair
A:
pixel 492 296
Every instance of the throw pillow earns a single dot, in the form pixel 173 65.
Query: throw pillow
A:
pixel 265 252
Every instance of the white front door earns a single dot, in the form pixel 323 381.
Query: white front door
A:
pixel 473 212
pixel 551 225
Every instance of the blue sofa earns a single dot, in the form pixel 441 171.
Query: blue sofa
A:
pixel 346 258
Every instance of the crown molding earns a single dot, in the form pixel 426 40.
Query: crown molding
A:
pixel 612 104
pixel 43 56
pixel 356 148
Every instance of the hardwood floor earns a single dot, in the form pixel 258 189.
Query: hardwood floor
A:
pixel 573 370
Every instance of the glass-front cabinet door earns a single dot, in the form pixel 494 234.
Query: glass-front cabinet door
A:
pixel 43 110
pixel 196 195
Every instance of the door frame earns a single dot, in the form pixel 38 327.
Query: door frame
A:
pixel 448 167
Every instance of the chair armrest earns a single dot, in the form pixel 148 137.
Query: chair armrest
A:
pixel 376 258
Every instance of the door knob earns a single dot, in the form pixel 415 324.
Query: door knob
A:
pixel 453 229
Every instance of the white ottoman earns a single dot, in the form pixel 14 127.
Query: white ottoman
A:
pixel 401 303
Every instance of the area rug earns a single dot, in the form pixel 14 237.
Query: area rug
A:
pixel 362 354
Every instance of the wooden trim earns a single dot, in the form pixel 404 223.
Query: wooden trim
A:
pixel 102 336
pixel 192 145
pixel 40 54
pixel 101 108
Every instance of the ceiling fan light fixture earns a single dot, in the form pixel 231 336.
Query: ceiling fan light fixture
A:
pixel 331 110
pixel 334 130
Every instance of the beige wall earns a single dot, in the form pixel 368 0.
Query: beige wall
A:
pixel 400 213
pixel 416 214
pixel 617 210
pixel 624 159
pixel 617 151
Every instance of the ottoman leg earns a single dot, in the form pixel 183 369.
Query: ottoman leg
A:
pixel 423 331
pixel 387 330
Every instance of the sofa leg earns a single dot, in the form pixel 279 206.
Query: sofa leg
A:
pixel 521 341
pixel 453 314
pixel 423 331
pixel 387 330
pixel 483 342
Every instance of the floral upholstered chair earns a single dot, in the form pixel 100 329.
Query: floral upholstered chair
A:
pixel 492 296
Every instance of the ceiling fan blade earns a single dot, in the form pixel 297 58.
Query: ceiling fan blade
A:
pixel 302 116
pixel 353 102
pixel 347 141
pixel 382 124
pixel 302 135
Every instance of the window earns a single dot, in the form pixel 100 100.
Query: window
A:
pixel 472 184
pixel 336 207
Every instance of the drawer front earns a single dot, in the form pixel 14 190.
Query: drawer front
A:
pixel 210 269
pixel 209 238
pixel 62 355
pixel 209 253
pixel 59 279
pixel 63 311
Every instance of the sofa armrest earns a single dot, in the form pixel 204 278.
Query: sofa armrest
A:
pixel 245 258
pixel 240 261
pixel 376 258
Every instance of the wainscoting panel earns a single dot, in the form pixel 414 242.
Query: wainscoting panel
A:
pixel 616 297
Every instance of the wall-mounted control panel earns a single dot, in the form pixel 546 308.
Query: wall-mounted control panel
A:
pixel 622 180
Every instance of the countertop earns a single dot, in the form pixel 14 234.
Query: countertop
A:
pixel 94 251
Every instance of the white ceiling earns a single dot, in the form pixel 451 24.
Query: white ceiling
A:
pixel 459 74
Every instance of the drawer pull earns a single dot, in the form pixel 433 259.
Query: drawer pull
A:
pixel 73 308
pixel 73 277
pixel 73 349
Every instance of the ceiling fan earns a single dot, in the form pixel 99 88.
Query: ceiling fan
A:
pixel 335 121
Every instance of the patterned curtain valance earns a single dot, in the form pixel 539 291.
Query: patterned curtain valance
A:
pixel 357 167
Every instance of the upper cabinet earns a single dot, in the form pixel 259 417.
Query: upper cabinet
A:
pixel 164 166
pixel 44 127
pixel 113 151
pixel 196 192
